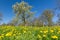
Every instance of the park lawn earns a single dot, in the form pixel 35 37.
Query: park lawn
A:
pixel 29 33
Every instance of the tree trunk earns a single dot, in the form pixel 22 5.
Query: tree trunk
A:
pixel 23 19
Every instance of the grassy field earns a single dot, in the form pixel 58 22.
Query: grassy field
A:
pixel 29 33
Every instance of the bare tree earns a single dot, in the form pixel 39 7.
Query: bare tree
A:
pixel 23 12
pixel 46 17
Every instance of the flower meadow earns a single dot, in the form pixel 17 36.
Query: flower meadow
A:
pixel 29 33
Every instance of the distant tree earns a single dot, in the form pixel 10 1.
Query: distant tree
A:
pixel 1 17
pixel 58 22
pixel 37 22
pixel 4 24
pixel 46 17
pixel 58 14
pixel 57 4
pixel 23 12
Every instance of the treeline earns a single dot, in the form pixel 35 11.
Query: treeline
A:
pixel 25 17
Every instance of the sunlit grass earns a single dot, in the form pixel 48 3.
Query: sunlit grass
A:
pixel 29 33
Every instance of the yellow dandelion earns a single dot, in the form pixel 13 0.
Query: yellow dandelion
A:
pixel 58 32
pixel 41 31
pixel 54 37
pixel 39 36
pixel 14 34
pixel 51 31
pixel 19 33
pixel 9 34
pixel 58 29
pixel 45 31
pixel 44 35
pixel 24 31
pixel 1 36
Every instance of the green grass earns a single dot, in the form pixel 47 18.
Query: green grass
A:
pixel 29 33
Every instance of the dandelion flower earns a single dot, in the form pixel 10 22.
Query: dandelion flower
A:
pixel 24 31
pixel 51 31
pixel 45 31
pixel 41 31
pixel 44 35
pixel 54 37
pixel 9 34
pixel 1 36
pixel 39 36
pixel 14 34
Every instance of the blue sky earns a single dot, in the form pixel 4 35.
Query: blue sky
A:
pixel 38 5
